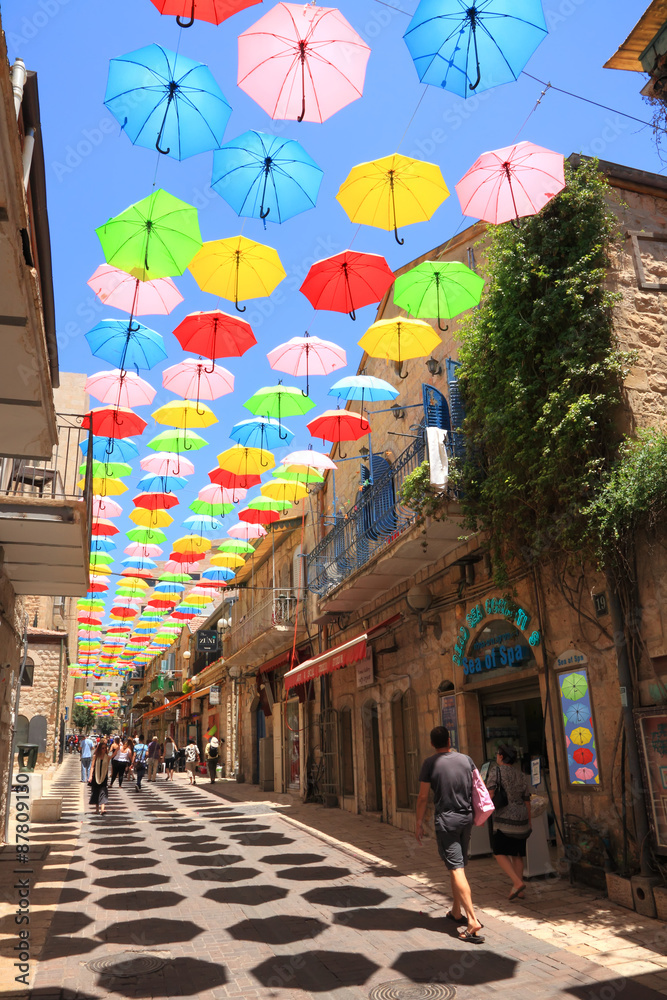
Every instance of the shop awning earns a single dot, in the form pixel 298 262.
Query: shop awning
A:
pixel 163 708
pixel 342 656
pixel 284 660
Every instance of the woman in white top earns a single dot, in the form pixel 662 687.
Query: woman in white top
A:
pixel 170 751
pixel 191 761
pixel 120 761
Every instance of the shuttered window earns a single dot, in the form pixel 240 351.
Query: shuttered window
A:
pixel 406 749
pixel 436 410
pixel 456 409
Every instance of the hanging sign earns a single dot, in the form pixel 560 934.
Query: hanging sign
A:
pixel 214 695
pixel 577 712
pixel 365 676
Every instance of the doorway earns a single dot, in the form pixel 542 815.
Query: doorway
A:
pixel 513 717
pixel 371 723
pixel 292 746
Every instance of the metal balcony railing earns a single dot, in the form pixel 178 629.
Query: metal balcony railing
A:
pixel 55 478
pixel 370 526
pixel 277 611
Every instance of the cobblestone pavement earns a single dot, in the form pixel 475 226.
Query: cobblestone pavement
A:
pixel 177 892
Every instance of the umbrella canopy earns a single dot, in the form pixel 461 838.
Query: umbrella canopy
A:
pixel 215 335
pixel 146 536
pixel 150 518
pixel 185 414
pixel 438 290
pixel 261 432
pixel 99 544
pixel 113 422
pixel 298 474
pixel 154 238
pixel 166 464
pixel 302 62
pixel 307 356
pixel 155 501
pixel 583 755
pixel 211 509
pixel 237 268
pixel 310 459
pixel 192 543
pixel 339 425
pixel 462 46
pixel 242 461
pixel 266 177
pixel 214 11
pixel 574 686
pixel 218 575
pixel 110 449
pixel 231 481
pixel 363 387
pixel 166 101
pixel 103 527
pixel 509 183
pixel 347 281
pixel 393 191
pixel 126 345
pixel 151 483
pixel 246 531
pixel 399 339
pixel 139 298
pixel 235 545
pixel 194 379
pixel 177 441
pixel 105 486
pixel 202 524
pixel 279 401
pixel 136 549
pixel 104 507
pixel 254 516
pixel 215 494
pixel 284 491
pixel 120 388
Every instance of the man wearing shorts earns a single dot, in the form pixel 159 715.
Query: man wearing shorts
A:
pixel 449 774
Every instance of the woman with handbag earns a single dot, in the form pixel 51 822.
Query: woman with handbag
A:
pixel 99 773
pixel 510 791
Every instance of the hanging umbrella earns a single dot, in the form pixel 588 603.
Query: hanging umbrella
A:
pixel 177 441
pixel 310 459
pixel 214 11
pixel 101 526
pixel 161 484
pixel 284 491
pixel 393 191
pixel 581 735
pixel 163 99
pixel 167 464
pixel 155 501
pixel 103 507
pixel 120 388
pixel 150 518
pixel 266 177
pixel 242 461
pixel 185 414
pixel 360 387
pixel 192 543
pixel 506 184
pixel 107 470
pixel 574 686
pixel 126 344
pixel 578 713
pixel 246 531
pixel 584 773
pixel 252 516
pixel 237 268
pixel 302 62
pixel 219 574
pixel 231 481
pixel 113 422
pixel 261 432
pixel 154 238
pixel 135 549
pixel 462 46
pixel 193 379
pixel 279 401
pixel 268 503
pixel 211 509
pixel 438 290
pixel 105 487
pixel 400 339
pixel 138 563
pixel 307 356
pixel 339 425
pixel 347 282
pixel 201 524
pixel 215 335
pixel 110 449
pixel 146 536
pixel 215 494
pixel 298 474
pixel 139 298
pixel 99 544
pixel 235 545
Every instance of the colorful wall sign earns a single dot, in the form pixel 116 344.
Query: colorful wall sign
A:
pixel 577 709
pixel 510 611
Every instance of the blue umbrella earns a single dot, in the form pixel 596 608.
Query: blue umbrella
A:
pixel 126 345
pixel 163 99
pixel 100 544
pixel 111 449
pixel 219 574
pixel 150 483
pixel 138 563
pixel 463 46
pixel 202 524
pixel 169 588
pixel 363 387
pixel 265 177
pixel 261 432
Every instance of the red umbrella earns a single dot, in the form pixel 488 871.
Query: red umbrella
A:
pixel 89 620
pixel 582 755
pixel 97 586
pixel 348 281
pixel 230 481
pixel 122 613
pixel 113 422
pixel 155 501
pixel 253 516
pixel 214 11
pixel 190 557
pixel 215 335
pixel 339 425
pixel 103 527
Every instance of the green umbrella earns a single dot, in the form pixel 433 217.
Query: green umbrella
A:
pixel 284 472
pixel 212 509
pixel 266 503
pixel 279 401
pixel 177 441
pixel 438 290
pixel 100 559
pixel 236 545
pixel 154 238
pixel 147 536
pixel 108 470
pixel 574 686
pixel 175 578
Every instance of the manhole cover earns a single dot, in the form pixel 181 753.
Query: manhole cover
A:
pixel 399 989
pixel 126 965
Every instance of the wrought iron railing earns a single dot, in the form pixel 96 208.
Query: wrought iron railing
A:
pixel 277 611
pixel 371 525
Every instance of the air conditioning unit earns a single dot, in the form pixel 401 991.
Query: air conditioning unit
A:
pixel 266 763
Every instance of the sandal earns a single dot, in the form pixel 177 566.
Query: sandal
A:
pixel 472 938
pixel 517 892
pixel 457 920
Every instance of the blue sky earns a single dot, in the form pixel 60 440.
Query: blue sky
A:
pixel 93 171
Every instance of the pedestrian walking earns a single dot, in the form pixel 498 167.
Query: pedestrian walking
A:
pixel 99 774
pixel 153 755
pixel 121 761
pixel 86 748
pixel 140 751
pixel 510 790
pixel 449 775
pixel 212 755
pixel 191 761
pixel 170 751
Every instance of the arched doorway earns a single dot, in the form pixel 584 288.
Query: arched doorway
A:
pixel 37 732
pixel 371 729
pixel 21 731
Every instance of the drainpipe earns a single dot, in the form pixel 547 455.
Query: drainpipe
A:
pixel 28 150
pixel 18 77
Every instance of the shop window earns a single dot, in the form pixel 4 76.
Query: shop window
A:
pixel 406 749
pixel 28 673
pixel 649 254
pixel 346 752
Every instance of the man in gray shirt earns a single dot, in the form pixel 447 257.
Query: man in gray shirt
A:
pixel 449 774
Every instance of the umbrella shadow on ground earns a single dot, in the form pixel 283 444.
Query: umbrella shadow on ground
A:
pixel 345 895
pixel 118 838
pixel 149 933
pixel 182 821
pixel 144 899
pixel 315 873
pixel 48 896
pixel 203 846
pixel 224 874
pixel 261 839
pixel 215 861
pixel 291 859
pixel 394 919
pixel 469 965
pixel 284 929
pixel 620 988
pixel 180 977
pixel 121 849
pixel 123 864
pixel 136 881
pixel 315 971
pixel 190 838
pixel 59 875
pixel 252 895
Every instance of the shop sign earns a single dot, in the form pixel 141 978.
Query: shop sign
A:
pixel 365 676
pixel 477 614
pixel 214 695
pixel 208 641
pixel 577 713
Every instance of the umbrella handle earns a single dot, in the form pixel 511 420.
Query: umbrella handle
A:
pixel 396 237
pixel 185 24
pixel 472 15
pixel 209 371
pixel 264 215
pixel 400 373
pixel 353 314
pixel 157 146
pixel 516 223
pixel 443 329
pixel 302 47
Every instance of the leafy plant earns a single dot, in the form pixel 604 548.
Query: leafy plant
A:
pixel 106 725
pixel 83 717
pixel 417 494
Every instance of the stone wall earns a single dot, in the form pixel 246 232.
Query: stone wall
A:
pixel 11 630
pixel 47 693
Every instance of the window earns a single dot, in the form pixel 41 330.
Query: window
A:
pixel 28 673
pixel 59 606
pixel 406 749
pixel 456 409
pixel 346 752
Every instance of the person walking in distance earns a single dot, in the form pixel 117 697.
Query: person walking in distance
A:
pixel 191 761
pixel 510 791
pixel 86 749
pixel 99 774
pixel 153 756
pixel 449 775
pixel 212 755
pixel 170 751
pixel 140 751
pixel 120 761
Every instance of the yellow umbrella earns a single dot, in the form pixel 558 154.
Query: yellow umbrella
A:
pixel 105 487
pixel 150 518
pixel 393 191
pixel 191 543
pixel 242 461
pixel 227 559
pixel 400 339
pixel 284 490
pixel 185 413
pixel 100 570
pixel 237 268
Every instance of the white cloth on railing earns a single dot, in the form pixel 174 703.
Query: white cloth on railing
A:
pixel 437 457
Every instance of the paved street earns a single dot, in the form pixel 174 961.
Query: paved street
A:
pixel 178 892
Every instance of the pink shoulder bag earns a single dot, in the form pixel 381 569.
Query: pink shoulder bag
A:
pixel 482 803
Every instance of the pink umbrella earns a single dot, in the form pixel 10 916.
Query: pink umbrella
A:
pixel 119 388
pixel 315 459
pixel 138 549
pixel 106 507
pixel 302 62
pixel 171 566
pixel 584 773
pixel 307 356
pixel 139 298
pixel 220 494
pixel 507 184
pixel 246 531
pixel 194 378
pixel 164 463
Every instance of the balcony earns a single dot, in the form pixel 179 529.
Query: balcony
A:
pixel 267 627
pixel 378 543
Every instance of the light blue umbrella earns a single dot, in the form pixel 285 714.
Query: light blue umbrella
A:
pixel 162 99
pixel 218 574
pixel 100 544
pixel 111 449
pixel 363 387
pixel 202 524
pixel 261 432
pixel 465 46
pixel 169 588
pixel 126 344
pixel 150 483
pixel 138 563
pixel 266 177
